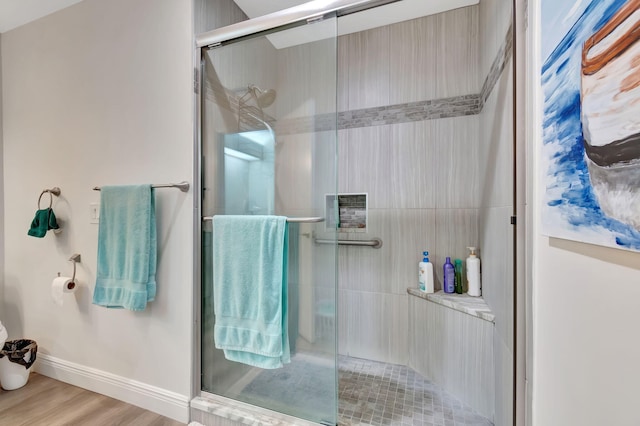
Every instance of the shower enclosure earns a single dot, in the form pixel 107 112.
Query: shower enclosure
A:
pixel 407 128
pixel 268 152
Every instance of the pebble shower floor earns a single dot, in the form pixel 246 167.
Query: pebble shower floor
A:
pixel 377 394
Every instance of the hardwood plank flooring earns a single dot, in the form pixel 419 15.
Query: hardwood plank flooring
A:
pixel 44 401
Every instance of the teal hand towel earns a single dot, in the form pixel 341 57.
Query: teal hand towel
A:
pixel 127 248
pixel 43 221
pixel 250 289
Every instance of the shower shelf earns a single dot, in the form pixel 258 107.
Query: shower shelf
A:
pixel 474 306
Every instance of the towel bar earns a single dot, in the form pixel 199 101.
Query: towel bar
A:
pixel 182 186
pixel 289 219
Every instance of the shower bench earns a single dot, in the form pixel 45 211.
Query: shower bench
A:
pixel 451 342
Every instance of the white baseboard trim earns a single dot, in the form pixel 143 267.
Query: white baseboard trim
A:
pixel 152 398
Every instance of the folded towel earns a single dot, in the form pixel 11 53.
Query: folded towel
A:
pixel 126 274
pixel 43 221
pixel 250 289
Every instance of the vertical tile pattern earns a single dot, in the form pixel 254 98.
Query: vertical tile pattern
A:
pixel 456 168
pixel 496 179
pixel 496 145
pixel 367 156
pixel 412 166
pixel 456 229
pixel 343 73
pixel 455 351
pixel 488 34
pixel 457 52
pixel 394 164
pixel 377 326
pixel 496 252
pixel 306 79
pixel 504 382
pixel 368 69
pixel 412 65
pixel 405 234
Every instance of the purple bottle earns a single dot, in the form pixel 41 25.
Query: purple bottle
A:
pixel 449 276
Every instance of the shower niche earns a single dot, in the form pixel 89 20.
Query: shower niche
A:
pixel 347 212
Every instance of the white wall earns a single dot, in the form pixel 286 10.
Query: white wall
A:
pixel 101 94
pixel 585 316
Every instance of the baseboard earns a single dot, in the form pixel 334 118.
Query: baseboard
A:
pixel 152 398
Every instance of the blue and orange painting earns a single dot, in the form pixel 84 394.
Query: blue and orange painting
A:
pixel 591 121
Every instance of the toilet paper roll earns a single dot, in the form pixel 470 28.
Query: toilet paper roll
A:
pixel 60 286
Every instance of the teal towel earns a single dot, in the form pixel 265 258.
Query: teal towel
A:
pixel 250 289
pixel 126 274
pixel 43 221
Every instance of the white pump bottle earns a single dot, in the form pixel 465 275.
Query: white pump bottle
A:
pixel 425 274
pixel 473 274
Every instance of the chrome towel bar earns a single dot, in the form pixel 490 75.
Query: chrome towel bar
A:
pixel 182 186
pixel 289 219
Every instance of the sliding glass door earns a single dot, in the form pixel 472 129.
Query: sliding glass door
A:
pixel 269 148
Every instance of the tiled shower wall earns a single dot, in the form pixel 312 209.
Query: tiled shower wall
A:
pixel 495 232
pixel 422 175
pixel 425 120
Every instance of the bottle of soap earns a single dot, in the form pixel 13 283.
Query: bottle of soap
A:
pixel 458 274
pixel 425 275
pixel 449 275
pixel 473 274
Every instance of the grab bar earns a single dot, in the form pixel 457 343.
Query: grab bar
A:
pixel 289 219
pixel 375 243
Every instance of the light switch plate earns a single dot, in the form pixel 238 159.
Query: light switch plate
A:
pixel 94 213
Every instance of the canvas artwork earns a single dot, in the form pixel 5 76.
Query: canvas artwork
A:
pixel 590 162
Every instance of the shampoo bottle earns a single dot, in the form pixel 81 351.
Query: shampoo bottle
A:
pixel 425 275
pixel 473 274
pixel 458 271
pixel 449 276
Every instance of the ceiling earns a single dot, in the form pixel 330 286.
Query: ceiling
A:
pixel 14 13
pixel 375 17
pixel 372 18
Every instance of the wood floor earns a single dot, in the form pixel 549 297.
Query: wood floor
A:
pixel 48 402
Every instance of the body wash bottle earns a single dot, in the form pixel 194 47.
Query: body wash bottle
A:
pixel 448 284
pixel 473 274
pixel 458 272
pixel 425 274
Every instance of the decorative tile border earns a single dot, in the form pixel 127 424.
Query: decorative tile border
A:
pixel 504 55
pixel 414 111
pixel 457 106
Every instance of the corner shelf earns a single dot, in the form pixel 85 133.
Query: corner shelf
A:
pixel 474 306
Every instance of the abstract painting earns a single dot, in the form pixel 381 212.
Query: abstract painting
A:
pixel 590 155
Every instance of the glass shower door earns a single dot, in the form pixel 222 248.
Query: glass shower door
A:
pixel 269 148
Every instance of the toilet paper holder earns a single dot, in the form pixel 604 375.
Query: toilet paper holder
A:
pixel 75 258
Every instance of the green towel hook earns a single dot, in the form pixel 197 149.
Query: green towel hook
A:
pixel 53 191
